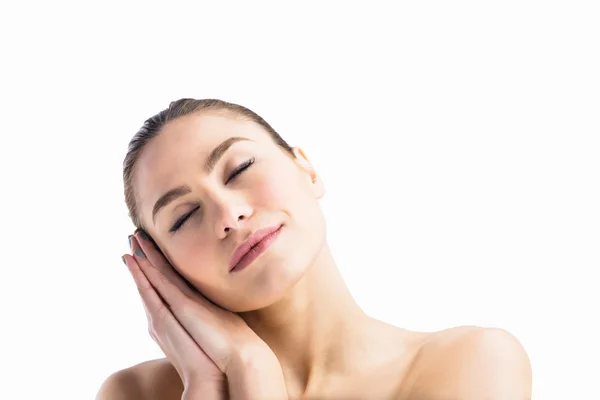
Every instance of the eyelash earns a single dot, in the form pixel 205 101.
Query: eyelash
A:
pixel 180 222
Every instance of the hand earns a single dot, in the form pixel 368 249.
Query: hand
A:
pixel 193 365
pixel 204 342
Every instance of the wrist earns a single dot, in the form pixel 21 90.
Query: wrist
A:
pixel 256 375
pixel 205 390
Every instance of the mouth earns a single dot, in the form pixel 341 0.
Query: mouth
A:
pixel 253 247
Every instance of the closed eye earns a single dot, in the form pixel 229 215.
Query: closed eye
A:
pixel 244 166
pixel 181 221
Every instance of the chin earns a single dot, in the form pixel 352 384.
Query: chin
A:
pixel 276 277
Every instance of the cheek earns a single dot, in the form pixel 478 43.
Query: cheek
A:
pixel 196 261
pixel 281 189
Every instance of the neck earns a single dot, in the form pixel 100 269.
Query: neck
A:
pixel 316 328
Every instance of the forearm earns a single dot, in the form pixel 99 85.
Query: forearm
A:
pixel 256 378
pixel 206 391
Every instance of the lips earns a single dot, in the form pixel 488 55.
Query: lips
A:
pixel 251 242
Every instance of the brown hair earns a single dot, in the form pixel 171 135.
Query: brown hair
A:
pixel 179 108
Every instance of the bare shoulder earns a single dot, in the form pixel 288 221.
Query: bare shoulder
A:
pixel 471 362
pixel 149 380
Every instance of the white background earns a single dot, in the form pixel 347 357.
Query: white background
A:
pixel 458 141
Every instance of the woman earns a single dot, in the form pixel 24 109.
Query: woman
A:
pixel 242 293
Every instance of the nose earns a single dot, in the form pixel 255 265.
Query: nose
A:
pixel 232 213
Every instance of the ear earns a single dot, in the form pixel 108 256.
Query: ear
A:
pixel 313 178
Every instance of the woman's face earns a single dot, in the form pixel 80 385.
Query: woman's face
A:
pixel 220 208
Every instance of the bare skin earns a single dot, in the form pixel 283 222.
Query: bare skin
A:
pixel 422 372
pixel 292 297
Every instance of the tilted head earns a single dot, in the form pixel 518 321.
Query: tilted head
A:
pixel 226 174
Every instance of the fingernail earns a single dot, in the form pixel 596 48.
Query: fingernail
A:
pixel 123 258
pixel 144 235
pixel 129 237
pixel 140 253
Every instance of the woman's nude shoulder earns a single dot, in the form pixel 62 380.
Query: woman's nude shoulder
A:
pixel 149 380
pixel 158 379
pixel 471 362
pixel 431 370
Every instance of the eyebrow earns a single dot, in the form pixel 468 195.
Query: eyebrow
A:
pixel 212 160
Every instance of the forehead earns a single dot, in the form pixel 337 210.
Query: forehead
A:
pixel 181 148
pixel 206 130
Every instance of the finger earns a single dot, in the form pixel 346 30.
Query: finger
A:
pixel 154 258
pixel 158 260
pixel 205 325
pixel 161 279
pixel 164 328
pixel 180 304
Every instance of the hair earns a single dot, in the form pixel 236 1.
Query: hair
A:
pixel 179 108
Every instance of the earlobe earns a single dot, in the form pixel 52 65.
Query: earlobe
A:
pixel 319 187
